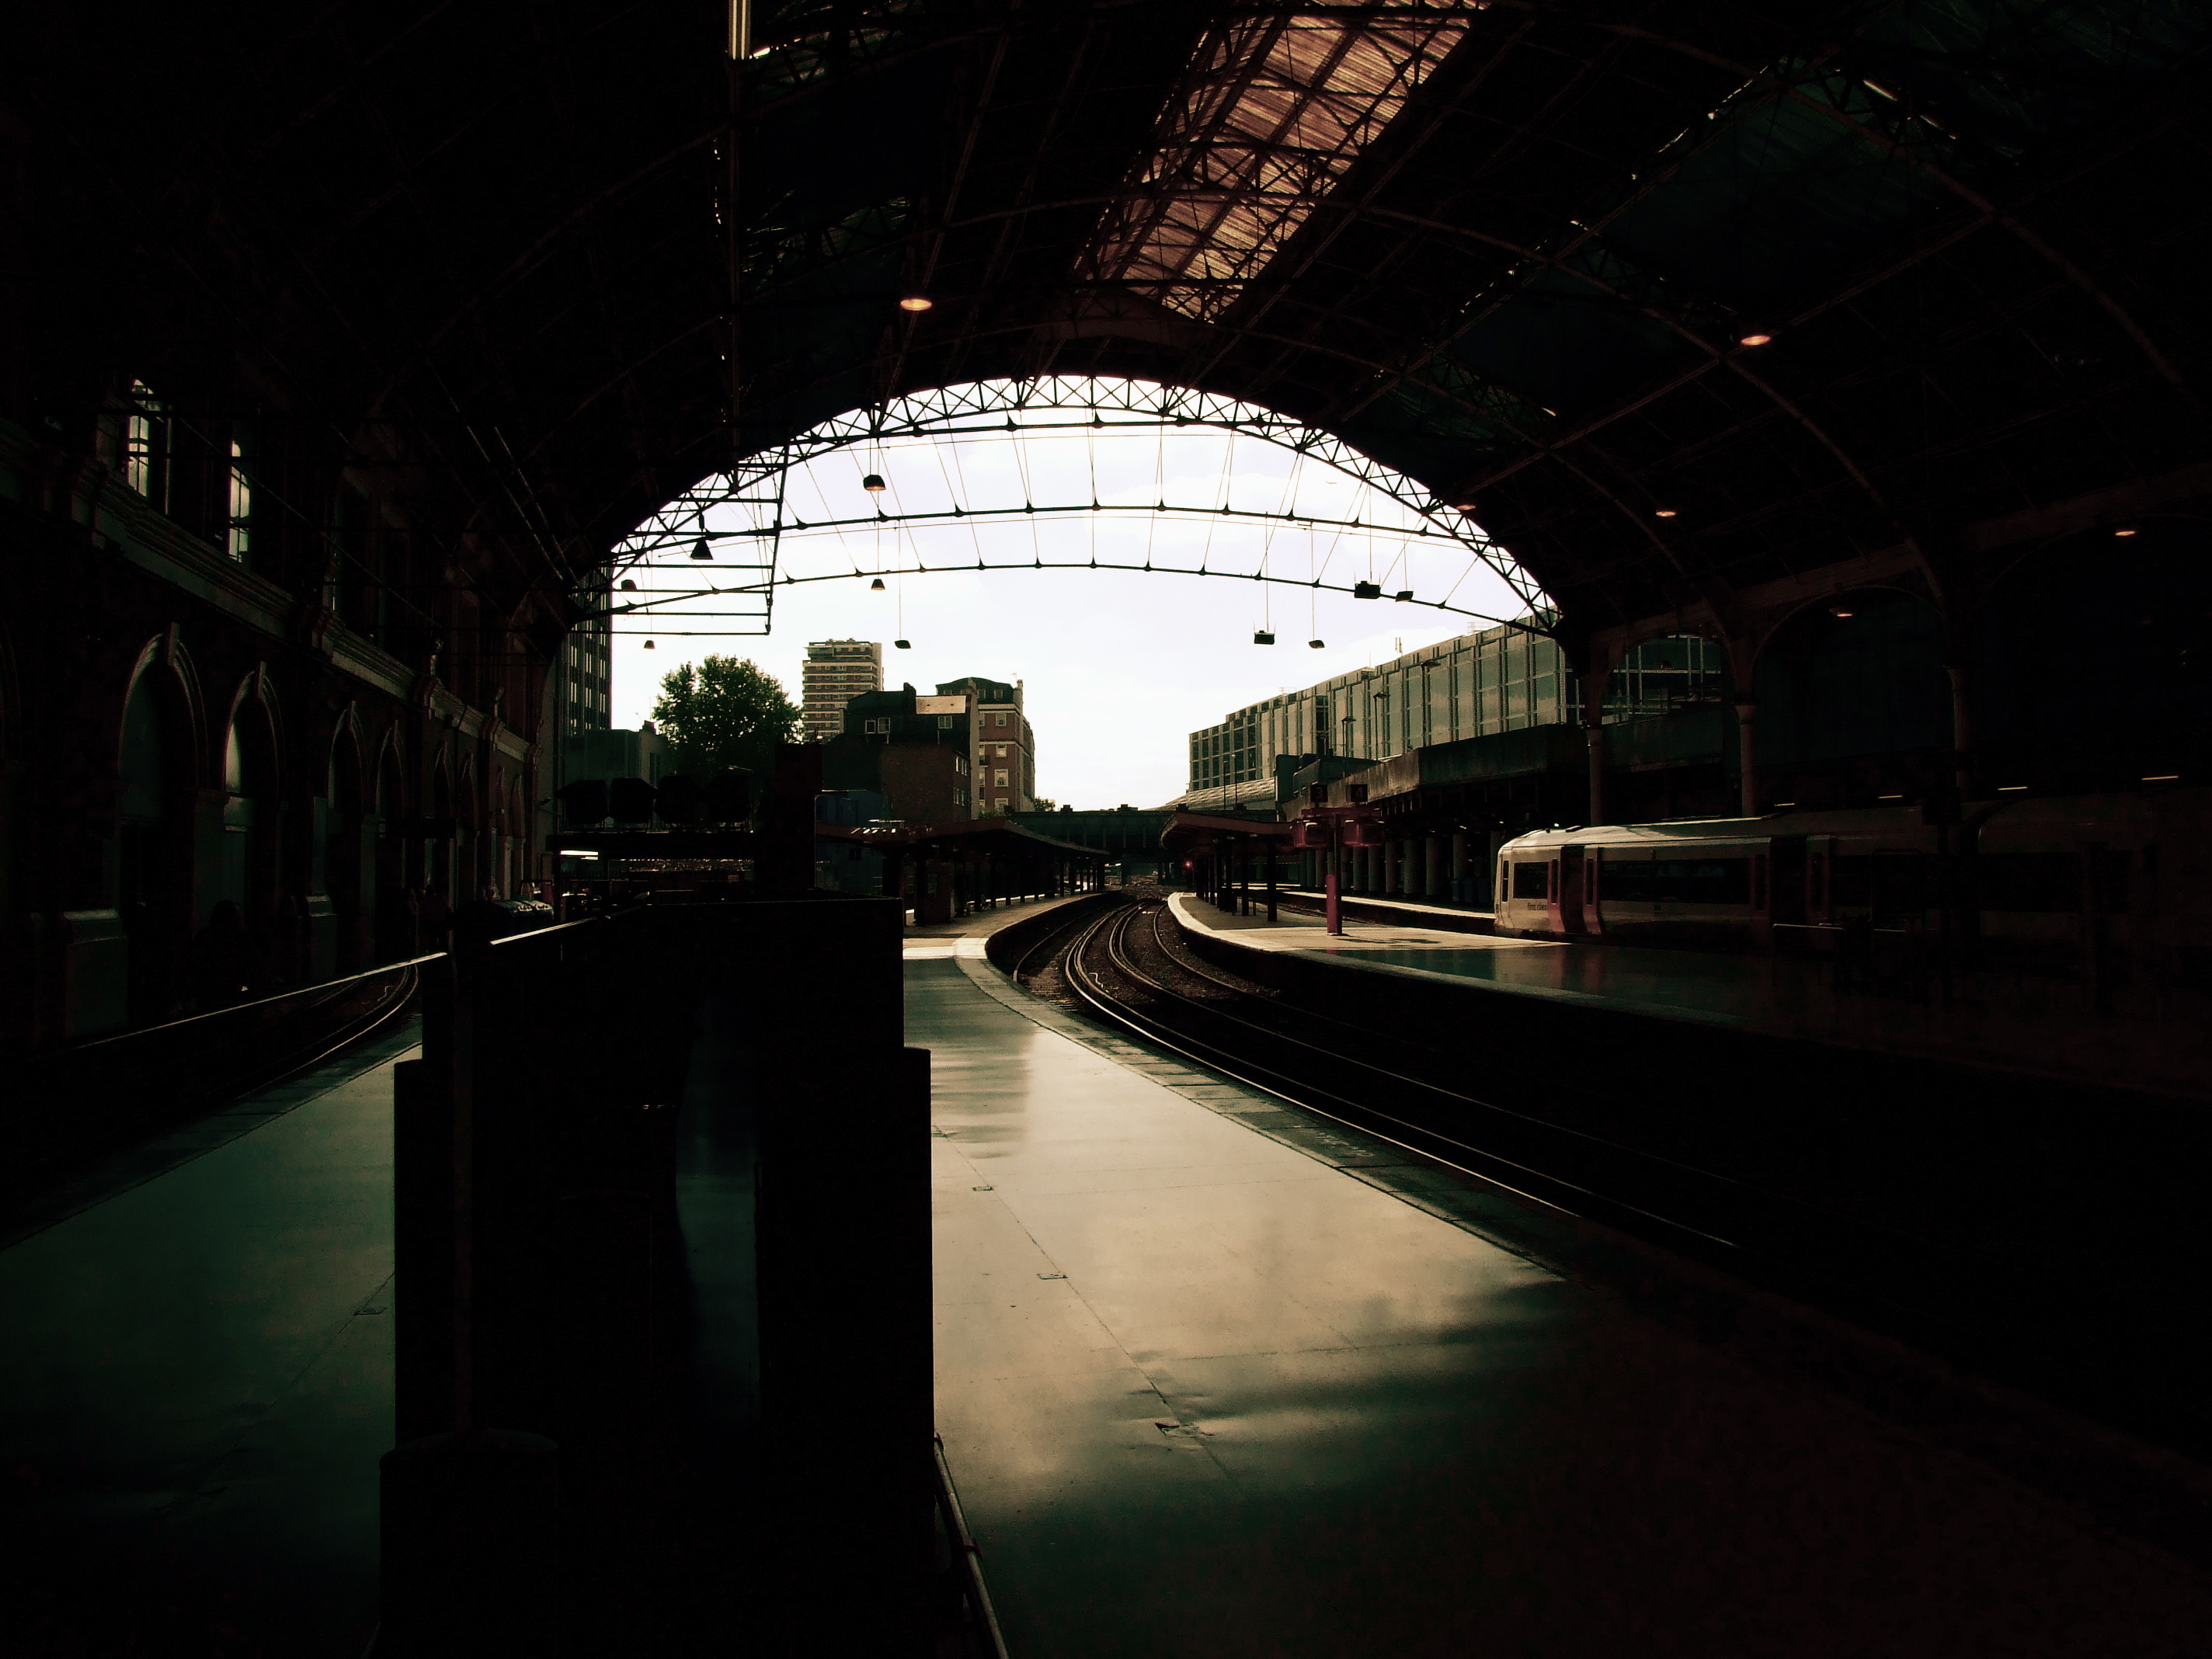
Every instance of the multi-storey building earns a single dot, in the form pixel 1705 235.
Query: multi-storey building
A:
pixel 1501 680
pixel 1004 752
pixel 837 670
pixel 582 690
pixel 912 751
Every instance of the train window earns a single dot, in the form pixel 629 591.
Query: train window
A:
pixel 1531 881
pixel 1681 881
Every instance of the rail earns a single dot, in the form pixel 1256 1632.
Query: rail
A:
pixel 1785 1242
pixel 69 1104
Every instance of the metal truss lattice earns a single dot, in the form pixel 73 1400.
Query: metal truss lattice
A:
pixel 738 525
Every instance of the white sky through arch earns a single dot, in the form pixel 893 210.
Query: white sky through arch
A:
pixel 1118 665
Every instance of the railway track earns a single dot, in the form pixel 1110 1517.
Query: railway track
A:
pixel 1125 968
pixel 1122 967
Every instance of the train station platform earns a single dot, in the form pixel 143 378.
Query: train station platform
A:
pixel 2040 1028
pixel 1218 1379
pixel 199 1382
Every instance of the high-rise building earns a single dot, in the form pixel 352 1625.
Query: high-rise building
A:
pixel 837 670
pixel 581 689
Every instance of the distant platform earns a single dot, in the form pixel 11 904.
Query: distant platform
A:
pixel 2043 1030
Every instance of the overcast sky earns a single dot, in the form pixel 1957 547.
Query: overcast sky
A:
pixel 1119 667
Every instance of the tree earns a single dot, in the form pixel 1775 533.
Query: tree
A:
pixel 724 713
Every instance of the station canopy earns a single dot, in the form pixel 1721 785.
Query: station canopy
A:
pixel 1676 299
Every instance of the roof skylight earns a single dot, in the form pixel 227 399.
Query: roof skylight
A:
pixel 1274 110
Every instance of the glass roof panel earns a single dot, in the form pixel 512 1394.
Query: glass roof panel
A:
pixel 1273 111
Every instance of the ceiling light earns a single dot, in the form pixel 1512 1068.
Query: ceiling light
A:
pixel 874 484
pixel 1262 636
pixel 904 645
pixel 648 644
pixel 1663 511
pixel 1839 611
pixel 2163 777
pixel 1403 595
pixel 627 585
pixel 1754 339
pixel 701 550
pixel 1317 644
pixel 1463 507
pixel 2125 530
pixel 877 585
pixel 915 302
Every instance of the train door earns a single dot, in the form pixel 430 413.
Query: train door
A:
pixel 1819 880
pixel 1565 892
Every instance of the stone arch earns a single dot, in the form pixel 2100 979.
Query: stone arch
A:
pixel 341 901
pixel 248 914
pixel 394 905
pixel 157 772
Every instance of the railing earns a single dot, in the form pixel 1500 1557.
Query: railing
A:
pixel 67 1105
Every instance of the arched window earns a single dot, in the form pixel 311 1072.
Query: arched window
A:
pixel 154 841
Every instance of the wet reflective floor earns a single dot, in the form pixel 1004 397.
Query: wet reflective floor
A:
pixel 198 1385
pixel 1207 1393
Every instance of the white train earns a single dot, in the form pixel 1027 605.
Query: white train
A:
pixel 2055 884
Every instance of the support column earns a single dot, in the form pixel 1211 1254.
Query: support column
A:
pixel 1962 734
pixel 1432 874
pixel 1459 866
pixel 1747 750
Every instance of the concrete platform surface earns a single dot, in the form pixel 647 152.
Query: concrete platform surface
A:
pixel 198 1386
pixel 1207 1389
pixel 2038 1027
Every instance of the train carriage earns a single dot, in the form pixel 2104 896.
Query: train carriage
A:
pixel 2104 885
